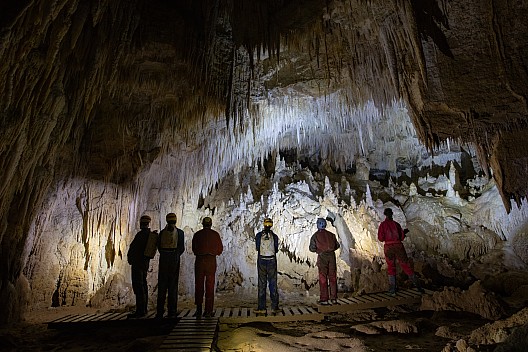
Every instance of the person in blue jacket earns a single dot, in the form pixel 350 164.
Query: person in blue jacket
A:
pixel 267 246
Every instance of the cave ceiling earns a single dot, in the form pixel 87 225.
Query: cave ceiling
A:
pixel 86 84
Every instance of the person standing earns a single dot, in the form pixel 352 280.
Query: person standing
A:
pixel 267 245
pixel 171 245
pixel 139 258
pixel 391 233
pixel 324 243
pixel 206 245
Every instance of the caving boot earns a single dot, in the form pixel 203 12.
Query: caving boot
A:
pixel 392 285
pixel 416 283
pixel 198 313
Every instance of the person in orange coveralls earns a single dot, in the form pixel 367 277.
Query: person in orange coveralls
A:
pixel 324 243
pixel 392 234
pixel 206 245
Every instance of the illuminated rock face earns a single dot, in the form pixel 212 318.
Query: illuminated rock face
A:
pixel 115 108
pixel 79 255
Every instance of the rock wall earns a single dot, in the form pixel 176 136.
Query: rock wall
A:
pixel 119 97
pixel 79 243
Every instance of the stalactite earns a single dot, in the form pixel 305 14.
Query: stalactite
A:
pixel 65 58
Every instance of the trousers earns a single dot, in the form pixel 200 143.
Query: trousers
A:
pixel 140 287
pixel 267 274
pixel 204 273
pixel 393 252
pixel 168 276
pixel 326 264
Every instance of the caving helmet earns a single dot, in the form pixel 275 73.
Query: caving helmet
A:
pixel 145 219
pixel 171 218
pixel 321 224
pixel 268 222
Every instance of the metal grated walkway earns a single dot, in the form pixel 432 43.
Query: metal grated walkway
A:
pixel 98 319
pixel 374 300
pixel 191 334
pixel 241 315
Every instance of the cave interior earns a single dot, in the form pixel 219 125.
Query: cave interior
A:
pixel 246 109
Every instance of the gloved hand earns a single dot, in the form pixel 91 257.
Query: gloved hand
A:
pixel 330 217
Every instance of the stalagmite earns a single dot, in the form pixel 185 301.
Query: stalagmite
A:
pixel 248 109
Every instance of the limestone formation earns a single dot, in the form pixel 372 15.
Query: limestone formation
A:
pixel 244 109
pixel 381 327
pixel 474 300
pixel 501 330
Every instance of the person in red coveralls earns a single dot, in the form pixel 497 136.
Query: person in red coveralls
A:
pixel 392 234
pixel 206 245
pixel 324 243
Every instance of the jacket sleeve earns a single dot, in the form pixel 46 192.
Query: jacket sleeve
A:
pixel 220 246
pixel 257 241
pixel 313 244
pixel 158 242
pixel 401 234
pixel 132 251
pixel 337 245
pixel 381 235
pixel 276 242
pixel 181 241
pixel 193 244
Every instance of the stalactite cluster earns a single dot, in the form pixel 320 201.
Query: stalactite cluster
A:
pixel 125 101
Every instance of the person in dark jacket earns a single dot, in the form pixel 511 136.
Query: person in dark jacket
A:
pixel 391 233
pixel 137 258
pixel 171 246
pixel 324 243
pixel 267 245
pixel 206 245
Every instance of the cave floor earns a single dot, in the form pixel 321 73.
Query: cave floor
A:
pixel 338 332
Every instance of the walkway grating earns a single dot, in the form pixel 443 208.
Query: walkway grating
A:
pixel 191 334
pixel 374 300
pixel 241 315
